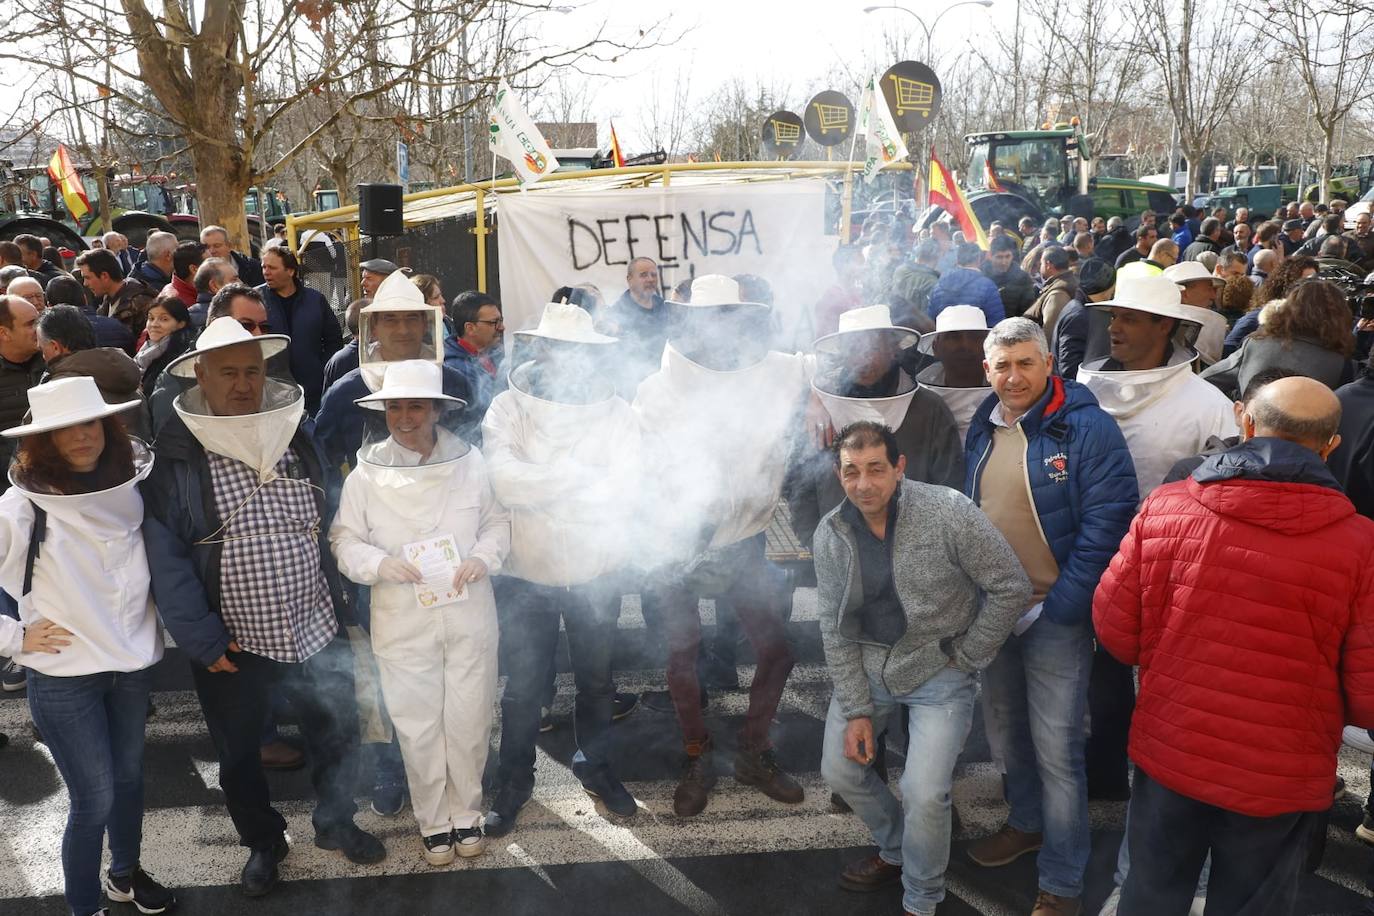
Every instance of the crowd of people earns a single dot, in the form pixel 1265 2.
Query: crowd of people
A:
pixel 1026 476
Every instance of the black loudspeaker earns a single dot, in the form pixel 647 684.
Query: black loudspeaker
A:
pixel 380 209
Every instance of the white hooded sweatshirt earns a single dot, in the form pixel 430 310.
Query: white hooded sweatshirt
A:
pixel 568 473
pixel 715 445
pixel 1166 414
pixel 91 576
pixel 391 500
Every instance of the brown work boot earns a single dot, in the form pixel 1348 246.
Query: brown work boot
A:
pixel 1003 847
pixel 1047 904
pixel 760 769
pixel 698 779
pixel 278 755
pixel 869 874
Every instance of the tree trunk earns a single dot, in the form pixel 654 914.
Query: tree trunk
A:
pixel 338 170
pixel 1328 147
pixel 221 183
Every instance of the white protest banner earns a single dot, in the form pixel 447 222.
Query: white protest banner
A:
pixel 513 135
pixel 560 238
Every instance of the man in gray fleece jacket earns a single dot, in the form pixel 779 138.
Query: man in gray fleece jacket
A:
pixel 917 592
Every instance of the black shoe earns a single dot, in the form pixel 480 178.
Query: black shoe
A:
pixel 388 801
pixel 839 804
pixel 603 786
pixel 1366 829
pixel 141 890
pixel 357 845
pixel 662 701
pixel 260 874
pixel 13 677
pixel 505 808
pixel 624 704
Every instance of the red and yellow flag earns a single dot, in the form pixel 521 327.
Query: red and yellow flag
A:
pixel 617 157
pixel 945 193
pixel 991 178
pixel 63 173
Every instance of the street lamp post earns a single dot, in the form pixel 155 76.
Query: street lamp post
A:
pixel 928 29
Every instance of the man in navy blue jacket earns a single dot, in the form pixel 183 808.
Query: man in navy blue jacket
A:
pixel 1051 470
pixel 305 315
pixel 965 284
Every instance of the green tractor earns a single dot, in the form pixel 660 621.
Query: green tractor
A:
pixel 1043 173
pixel 30 202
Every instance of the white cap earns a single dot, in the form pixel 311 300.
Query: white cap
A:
pixel 954 318
pixel 1188 271
pixel 410 379
pixel 65 402
pixel 866 319
pixel 1152 293
pixel 397 294
pixel 715 290
pixel 220 333
pixel 568 323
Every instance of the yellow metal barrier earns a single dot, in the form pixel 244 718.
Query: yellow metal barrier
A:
pixel 484 192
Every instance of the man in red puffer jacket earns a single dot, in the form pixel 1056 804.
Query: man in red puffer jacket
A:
pixel 1246 596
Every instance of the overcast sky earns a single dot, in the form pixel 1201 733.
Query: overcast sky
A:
pixel 762 41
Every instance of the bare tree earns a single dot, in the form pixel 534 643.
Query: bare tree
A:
pixel 227 81
pixel 1331 48
pixel 1201 54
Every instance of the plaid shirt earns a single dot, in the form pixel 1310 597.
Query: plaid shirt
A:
pixel 273 594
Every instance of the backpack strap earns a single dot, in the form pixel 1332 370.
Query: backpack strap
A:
pixel 40 531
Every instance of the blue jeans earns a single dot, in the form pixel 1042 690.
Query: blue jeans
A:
pixel 1035 695
pixel 914 832
pixel 93 725
pixel 1123 862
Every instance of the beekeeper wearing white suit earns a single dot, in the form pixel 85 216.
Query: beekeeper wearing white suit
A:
pixel 563 451
pixel 418 522
pixel 716 420
pixel 859 376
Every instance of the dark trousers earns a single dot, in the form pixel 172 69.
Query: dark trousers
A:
pixel 1256 861
pixel 756 590
pixel 529 631
pixel 1111 703
pixel 320 690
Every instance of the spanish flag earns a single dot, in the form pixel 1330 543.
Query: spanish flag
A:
pixel 991 178
pixel 617 157
pixel 63 173
pixel 945 193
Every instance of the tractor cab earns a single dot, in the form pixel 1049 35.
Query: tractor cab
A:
pixel 1040 166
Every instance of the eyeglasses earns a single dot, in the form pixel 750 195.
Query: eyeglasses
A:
pixel 249 325
pixel 494 322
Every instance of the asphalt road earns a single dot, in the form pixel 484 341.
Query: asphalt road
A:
pixel 745 855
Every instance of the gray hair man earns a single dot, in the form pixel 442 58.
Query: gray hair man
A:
pixel 917 591
pixel 156 270
pixel 213 275
pixel 216 241
pixel 1063 517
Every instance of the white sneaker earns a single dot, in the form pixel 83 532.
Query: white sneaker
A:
pixel 470 841
pixel 1199 904
pixel 1111 904
pixel 1358 738
pixel 439 849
